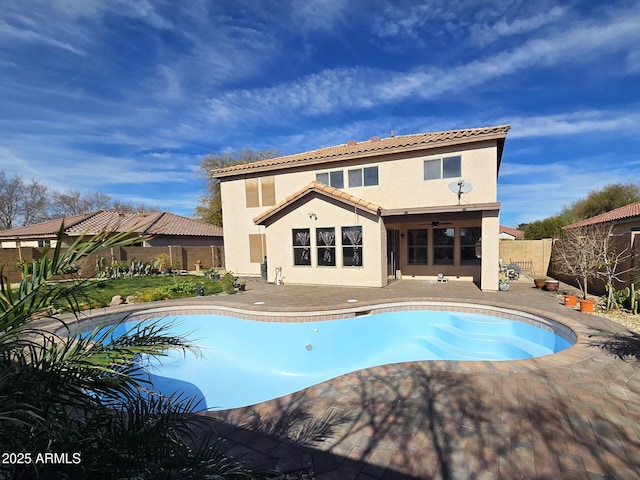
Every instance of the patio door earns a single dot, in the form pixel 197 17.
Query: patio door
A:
pixel 393 253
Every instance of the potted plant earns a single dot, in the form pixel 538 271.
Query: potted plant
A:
pixel 587 305
pixel 551 285
pixel 539 282
pixel 161 263
pixel 241 286
pixel 570 300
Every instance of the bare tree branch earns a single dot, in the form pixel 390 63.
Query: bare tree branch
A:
pixel 581 254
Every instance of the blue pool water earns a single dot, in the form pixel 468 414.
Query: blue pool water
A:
pixel 248 362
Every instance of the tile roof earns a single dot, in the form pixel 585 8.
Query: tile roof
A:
pixel 374 146
pixel 628 211
pixel 150 223
pixel 512 231
pixel 324 190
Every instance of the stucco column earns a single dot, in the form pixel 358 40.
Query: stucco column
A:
pixel 490 251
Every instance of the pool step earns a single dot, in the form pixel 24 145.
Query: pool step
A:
pixel 479 324
pixel 444 351
pixel 451 341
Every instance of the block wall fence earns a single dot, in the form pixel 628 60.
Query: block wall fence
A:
pixel 538 252
pixel 185 256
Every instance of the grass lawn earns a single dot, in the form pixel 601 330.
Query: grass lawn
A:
pixel 148 288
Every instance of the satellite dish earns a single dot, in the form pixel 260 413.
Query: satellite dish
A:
pixel 460 187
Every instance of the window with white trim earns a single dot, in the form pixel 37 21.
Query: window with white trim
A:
pixel 366 177
pixel 334 179
pixel 447 167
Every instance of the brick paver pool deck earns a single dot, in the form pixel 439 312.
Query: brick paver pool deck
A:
pixel 572 415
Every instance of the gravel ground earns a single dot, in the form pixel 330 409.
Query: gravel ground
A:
pixel 624 317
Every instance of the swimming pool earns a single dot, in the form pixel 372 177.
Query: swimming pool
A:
pixel 247 362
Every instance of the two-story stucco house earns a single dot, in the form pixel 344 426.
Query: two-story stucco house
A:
pixel 363 213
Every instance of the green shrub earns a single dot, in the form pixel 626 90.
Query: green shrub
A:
pixel 228 281
pixel 160 293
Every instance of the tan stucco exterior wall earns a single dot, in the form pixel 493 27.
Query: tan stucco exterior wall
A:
pixel 326 214
pixel 401 179
pixel 490 260
pixel 238 223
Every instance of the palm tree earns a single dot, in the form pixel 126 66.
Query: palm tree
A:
pixel 80 399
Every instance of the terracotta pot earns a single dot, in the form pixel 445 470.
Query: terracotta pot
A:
pixel 551 285
pixel 587 306
pixel 570 300
pixel 539 282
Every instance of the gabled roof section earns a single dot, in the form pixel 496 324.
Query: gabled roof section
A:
pixel 151 223
pixel 324 190
pixel 374 147
pixel 622 213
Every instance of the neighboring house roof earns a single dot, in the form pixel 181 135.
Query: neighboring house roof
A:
pixel 622 213
pixel 151 223
pixel 514 232
pixel 374 147
pixel 324 190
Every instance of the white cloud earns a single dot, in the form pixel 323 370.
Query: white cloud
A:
pixel 484 34
pixel 433 21
pixel 10 32
pixel 69 24
pixel 335 90
pixel 573 123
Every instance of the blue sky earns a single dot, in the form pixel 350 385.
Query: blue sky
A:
pixel 125 97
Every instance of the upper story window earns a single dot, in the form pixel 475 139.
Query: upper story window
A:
pixel 446 167
pixel 335 178
pixel 366 176
pixel 260 191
